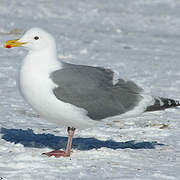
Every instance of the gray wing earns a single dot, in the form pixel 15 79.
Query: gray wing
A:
pixel 92 88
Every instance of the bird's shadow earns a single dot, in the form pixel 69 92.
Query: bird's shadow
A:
pixel 29 139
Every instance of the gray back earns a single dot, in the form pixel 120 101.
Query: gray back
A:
pixel 92 88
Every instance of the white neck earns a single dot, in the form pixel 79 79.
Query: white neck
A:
pixel 35 72
pixel 37 67
pixel 42 61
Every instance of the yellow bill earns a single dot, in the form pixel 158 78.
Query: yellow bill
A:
pixel 13 43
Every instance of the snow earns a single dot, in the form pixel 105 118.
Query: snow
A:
pixel 139 40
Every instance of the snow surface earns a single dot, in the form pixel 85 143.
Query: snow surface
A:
pixel 138 39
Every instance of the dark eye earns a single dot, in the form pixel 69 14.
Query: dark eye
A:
pixel 36 37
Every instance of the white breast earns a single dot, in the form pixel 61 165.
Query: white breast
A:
pixel 37 89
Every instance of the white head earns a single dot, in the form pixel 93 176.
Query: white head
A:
pixel 35 39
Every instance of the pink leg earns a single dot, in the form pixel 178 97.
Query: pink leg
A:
pixel 59 153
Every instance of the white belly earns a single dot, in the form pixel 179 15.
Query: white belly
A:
pixel 37 89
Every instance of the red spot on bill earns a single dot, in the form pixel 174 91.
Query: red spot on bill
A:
pixel 8 46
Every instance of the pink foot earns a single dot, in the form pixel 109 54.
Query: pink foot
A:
pixel 57 153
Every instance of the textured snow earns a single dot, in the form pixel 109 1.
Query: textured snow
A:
pixel 140 40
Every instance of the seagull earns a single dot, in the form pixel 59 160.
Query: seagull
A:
pixel 76 96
